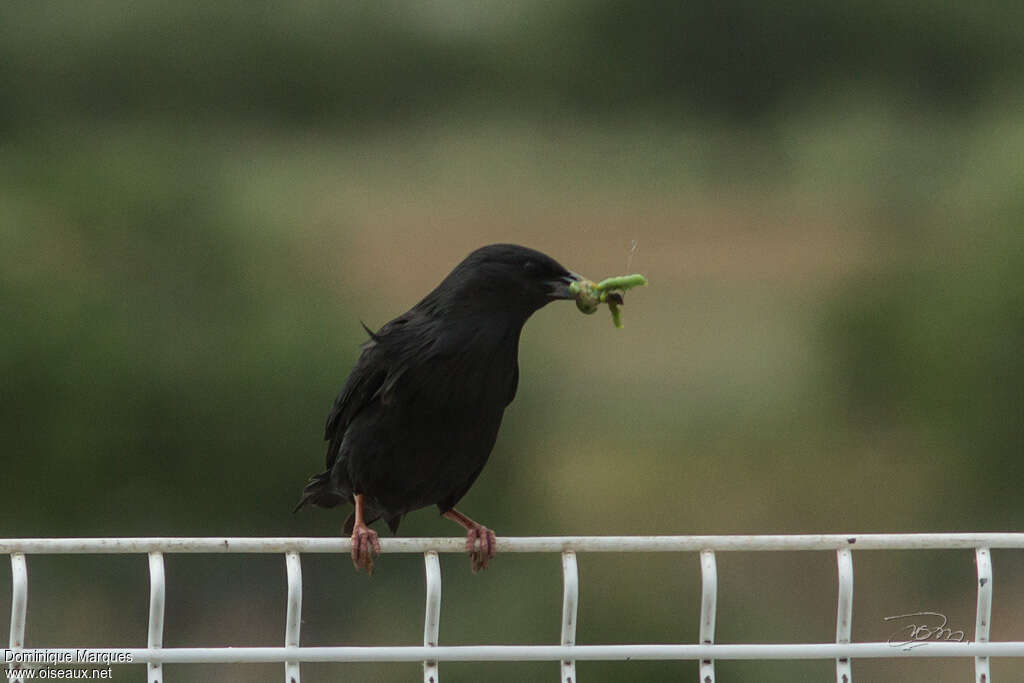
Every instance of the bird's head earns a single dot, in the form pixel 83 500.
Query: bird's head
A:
pixel 504 279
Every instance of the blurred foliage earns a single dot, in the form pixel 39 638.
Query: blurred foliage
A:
pixel 199 203
pixel 936 346
pixel 333 63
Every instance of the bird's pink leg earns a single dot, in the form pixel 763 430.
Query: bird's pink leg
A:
pixel 481 543
pixel 364 540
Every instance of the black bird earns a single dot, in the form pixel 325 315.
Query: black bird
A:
pixel 419 413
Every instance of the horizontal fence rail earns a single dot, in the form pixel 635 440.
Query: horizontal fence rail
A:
pixel 567 653
pixel 517 544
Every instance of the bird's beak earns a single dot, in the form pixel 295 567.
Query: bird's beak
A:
pixel 559 287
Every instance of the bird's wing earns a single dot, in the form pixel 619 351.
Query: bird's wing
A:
pixel 374 373
pixel 363 382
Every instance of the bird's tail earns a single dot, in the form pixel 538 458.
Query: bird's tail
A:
pixel 319 492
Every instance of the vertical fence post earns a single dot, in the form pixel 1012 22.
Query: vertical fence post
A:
pixel 293 619
pixel 432 616
pixel 570 608
pixel 844 613
pixel 19 607
pixel 982 674
pixel 155 671
pixel 708 610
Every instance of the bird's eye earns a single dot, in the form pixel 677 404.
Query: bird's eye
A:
pixel 531 267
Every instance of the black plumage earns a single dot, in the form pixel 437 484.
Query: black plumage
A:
pixel 419 413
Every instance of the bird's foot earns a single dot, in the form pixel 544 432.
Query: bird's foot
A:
pixel 481 544
pixel 365 546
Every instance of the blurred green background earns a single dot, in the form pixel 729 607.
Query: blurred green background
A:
pixel 199 203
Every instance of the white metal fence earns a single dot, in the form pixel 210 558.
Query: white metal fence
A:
pixel 567 652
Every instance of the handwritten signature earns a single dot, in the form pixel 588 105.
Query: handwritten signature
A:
pixel 927 626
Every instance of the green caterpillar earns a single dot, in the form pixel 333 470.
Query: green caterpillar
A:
pixel 589 296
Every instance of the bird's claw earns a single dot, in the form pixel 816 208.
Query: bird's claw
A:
pixel 481 544
pixel 365 545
